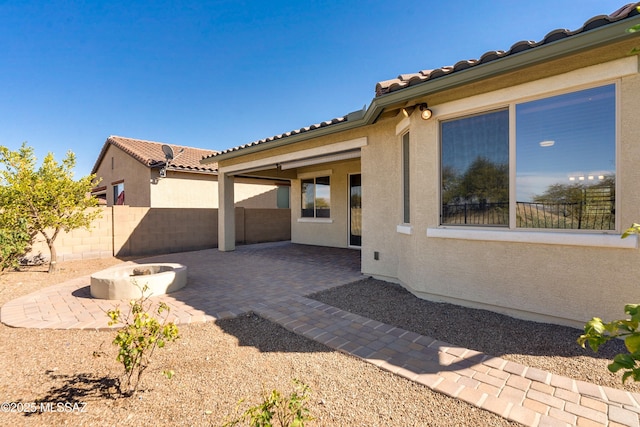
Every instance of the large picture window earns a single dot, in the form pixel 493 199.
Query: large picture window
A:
pixel 316 197
pixel 475 169
pixel 564 164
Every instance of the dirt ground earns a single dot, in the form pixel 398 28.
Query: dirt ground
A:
pixel 68 377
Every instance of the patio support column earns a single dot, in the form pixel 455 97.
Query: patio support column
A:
pixel 226 213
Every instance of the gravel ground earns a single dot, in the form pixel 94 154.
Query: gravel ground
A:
pixel 218 364
pixel 549 347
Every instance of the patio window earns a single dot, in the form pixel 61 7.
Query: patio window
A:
pixel 562 174
pixel 316 197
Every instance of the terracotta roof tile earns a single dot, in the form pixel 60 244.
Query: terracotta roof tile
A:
pixel 407 80
pixel 284 135
pixel 150 154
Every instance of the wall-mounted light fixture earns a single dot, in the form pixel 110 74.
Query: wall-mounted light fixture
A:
pixel 425 112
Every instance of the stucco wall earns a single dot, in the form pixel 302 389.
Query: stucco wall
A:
pixel 183 190
pixel 326 232
pixel 118 165
pixel 189 190
pixel 566 284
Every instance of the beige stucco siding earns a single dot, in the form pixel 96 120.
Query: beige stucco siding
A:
pixel 184 190
pixel 144 188
pixel 560 283
pixel 117 165
pixel 189 190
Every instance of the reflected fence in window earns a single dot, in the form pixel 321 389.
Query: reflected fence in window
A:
pixel 476 214
pixel 593 214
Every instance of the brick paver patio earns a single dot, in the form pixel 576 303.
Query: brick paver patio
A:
pixel 272 281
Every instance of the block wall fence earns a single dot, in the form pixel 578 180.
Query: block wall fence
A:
pixel 133 231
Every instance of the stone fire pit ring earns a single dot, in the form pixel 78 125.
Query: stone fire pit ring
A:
pixel 119 283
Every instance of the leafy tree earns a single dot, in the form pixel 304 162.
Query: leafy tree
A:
pixel 485 182
pixel 14 239
pixel 48 199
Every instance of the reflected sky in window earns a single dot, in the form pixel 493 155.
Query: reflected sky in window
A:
pixel 482 136
pixel 565 139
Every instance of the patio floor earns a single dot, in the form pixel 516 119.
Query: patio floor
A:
pixel 272 280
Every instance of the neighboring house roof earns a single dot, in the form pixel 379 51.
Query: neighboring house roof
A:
pixel 150 154
pixel 406 80
pixel 387 90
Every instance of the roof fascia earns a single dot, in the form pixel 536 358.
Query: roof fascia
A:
pixel 604 35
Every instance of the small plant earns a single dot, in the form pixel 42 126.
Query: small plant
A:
pixel 278 410
pixel 138 338
pixel 597 333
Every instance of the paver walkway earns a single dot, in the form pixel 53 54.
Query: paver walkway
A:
pixel 272 281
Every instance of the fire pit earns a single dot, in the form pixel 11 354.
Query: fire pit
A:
pixel 120 282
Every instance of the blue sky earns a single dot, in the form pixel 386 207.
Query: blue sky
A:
pixel 216 74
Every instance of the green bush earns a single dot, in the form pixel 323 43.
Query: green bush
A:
pixel 14 241
pixel 138 338
pixel 597 333
pixel 278 410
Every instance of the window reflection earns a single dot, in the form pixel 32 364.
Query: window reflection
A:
pixel 475 169
pixel 565 161
pixel 316 197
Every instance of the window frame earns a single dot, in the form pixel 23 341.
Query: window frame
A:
pixel 486 231
pixel 315 217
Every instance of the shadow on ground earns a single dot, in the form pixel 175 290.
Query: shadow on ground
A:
pixel 252 330
pixel 74 392
pixel 476 329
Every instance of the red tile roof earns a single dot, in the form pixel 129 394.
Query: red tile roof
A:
pixel 406 80
pixel 150 154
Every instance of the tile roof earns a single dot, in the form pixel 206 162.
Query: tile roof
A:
pixel 406 80
pixel 150 154
pixel 285 135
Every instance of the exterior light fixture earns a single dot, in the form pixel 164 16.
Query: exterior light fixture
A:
pixel 425 112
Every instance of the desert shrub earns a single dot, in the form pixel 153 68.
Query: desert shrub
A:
pixel 278 410
pixel 139 337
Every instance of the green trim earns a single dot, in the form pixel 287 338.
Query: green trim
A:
pixel 607 34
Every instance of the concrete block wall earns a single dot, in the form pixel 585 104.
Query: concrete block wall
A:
pixel 266 225
pixel 133 231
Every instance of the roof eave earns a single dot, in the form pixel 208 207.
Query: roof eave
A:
pixel 354 120
pixel 607 34
pixel 604 35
